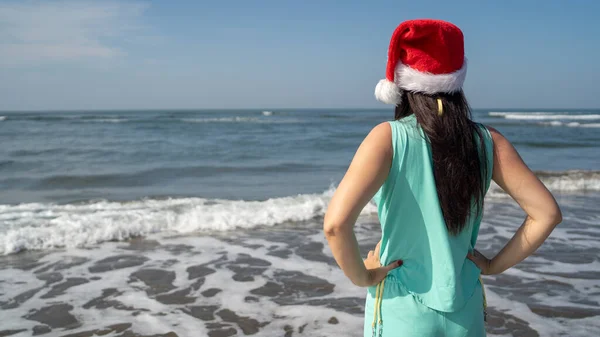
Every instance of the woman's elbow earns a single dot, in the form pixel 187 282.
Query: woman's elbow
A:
pixel 333 225
pixel 331 228
pixel 553 216
pixel 557 216
pixel 548 217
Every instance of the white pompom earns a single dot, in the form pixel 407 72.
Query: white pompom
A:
pixel 388 92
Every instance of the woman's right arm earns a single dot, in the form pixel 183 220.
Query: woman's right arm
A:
pixel 543 213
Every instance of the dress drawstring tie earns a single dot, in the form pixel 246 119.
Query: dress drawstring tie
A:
pixel 377 320
pixel 484 299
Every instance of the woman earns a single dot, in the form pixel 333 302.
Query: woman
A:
pixel 428 172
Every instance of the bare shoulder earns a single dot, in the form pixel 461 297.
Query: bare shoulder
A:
pixel 380 137
pixel 376 149
pixel 382 130
pixel 500 142
pixel 496 135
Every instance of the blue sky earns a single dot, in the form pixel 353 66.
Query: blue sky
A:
pixel 267 54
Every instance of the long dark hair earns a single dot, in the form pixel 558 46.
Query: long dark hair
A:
pixel 458 151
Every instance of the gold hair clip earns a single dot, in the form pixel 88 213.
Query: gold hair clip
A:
pixel 440 107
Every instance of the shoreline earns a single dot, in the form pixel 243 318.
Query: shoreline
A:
pixel 278 281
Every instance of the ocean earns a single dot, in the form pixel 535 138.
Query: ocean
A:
pixel 208 223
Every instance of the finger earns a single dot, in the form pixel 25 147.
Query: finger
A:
pixel 474 258
pixel 378 247
pixel 370 254
pixel 393 265
pixel 378 274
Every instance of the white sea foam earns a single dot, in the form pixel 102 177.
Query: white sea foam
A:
pixel 151 316
pixel 155 317
pixel 544 326
pixel 500 114
pixel 2 118
pixel 109 120
pixel 571 181
pixel 566 181
pixel 44 226
pixel 571 124
pixel 267 113
pixel 544 116
pixel 241 119
pixel 236 119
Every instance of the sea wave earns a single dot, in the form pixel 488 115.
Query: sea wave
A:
pixel 555 144
pixel 109 120
pixel 236 119
pixel 241 119
pixel 48 117
pixel 571 124
pixel 571 181
pixel 39 226
pixel 46 226
pixel 52 117
pixel 6 163
pixel 544 116
pixel 265 117
pixel 146 177
pixel 561 181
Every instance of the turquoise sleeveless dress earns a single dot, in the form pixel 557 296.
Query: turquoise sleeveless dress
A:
pixel 436 292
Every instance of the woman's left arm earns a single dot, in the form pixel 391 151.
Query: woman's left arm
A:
pixel 367 172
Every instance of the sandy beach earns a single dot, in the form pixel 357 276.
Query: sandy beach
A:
pixel 278 281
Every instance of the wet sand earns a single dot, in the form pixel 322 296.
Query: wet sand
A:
pixel 282 287
pixel 249 282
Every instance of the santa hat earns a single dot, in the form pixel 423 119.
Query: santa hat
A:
pixel 425 56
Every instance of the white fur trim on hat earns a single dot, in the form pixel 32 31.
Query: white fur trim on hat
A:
pixel 413 80
pixel 388 92
pixel 409 79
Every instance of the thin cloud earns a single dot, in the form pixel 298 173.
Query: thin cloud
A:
pixel 35 32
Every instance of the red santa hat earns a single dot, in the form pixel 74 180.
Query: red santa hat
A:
pixel 425 56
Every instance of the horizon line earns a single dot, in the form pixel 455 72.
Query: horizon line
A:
pixel 262 109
